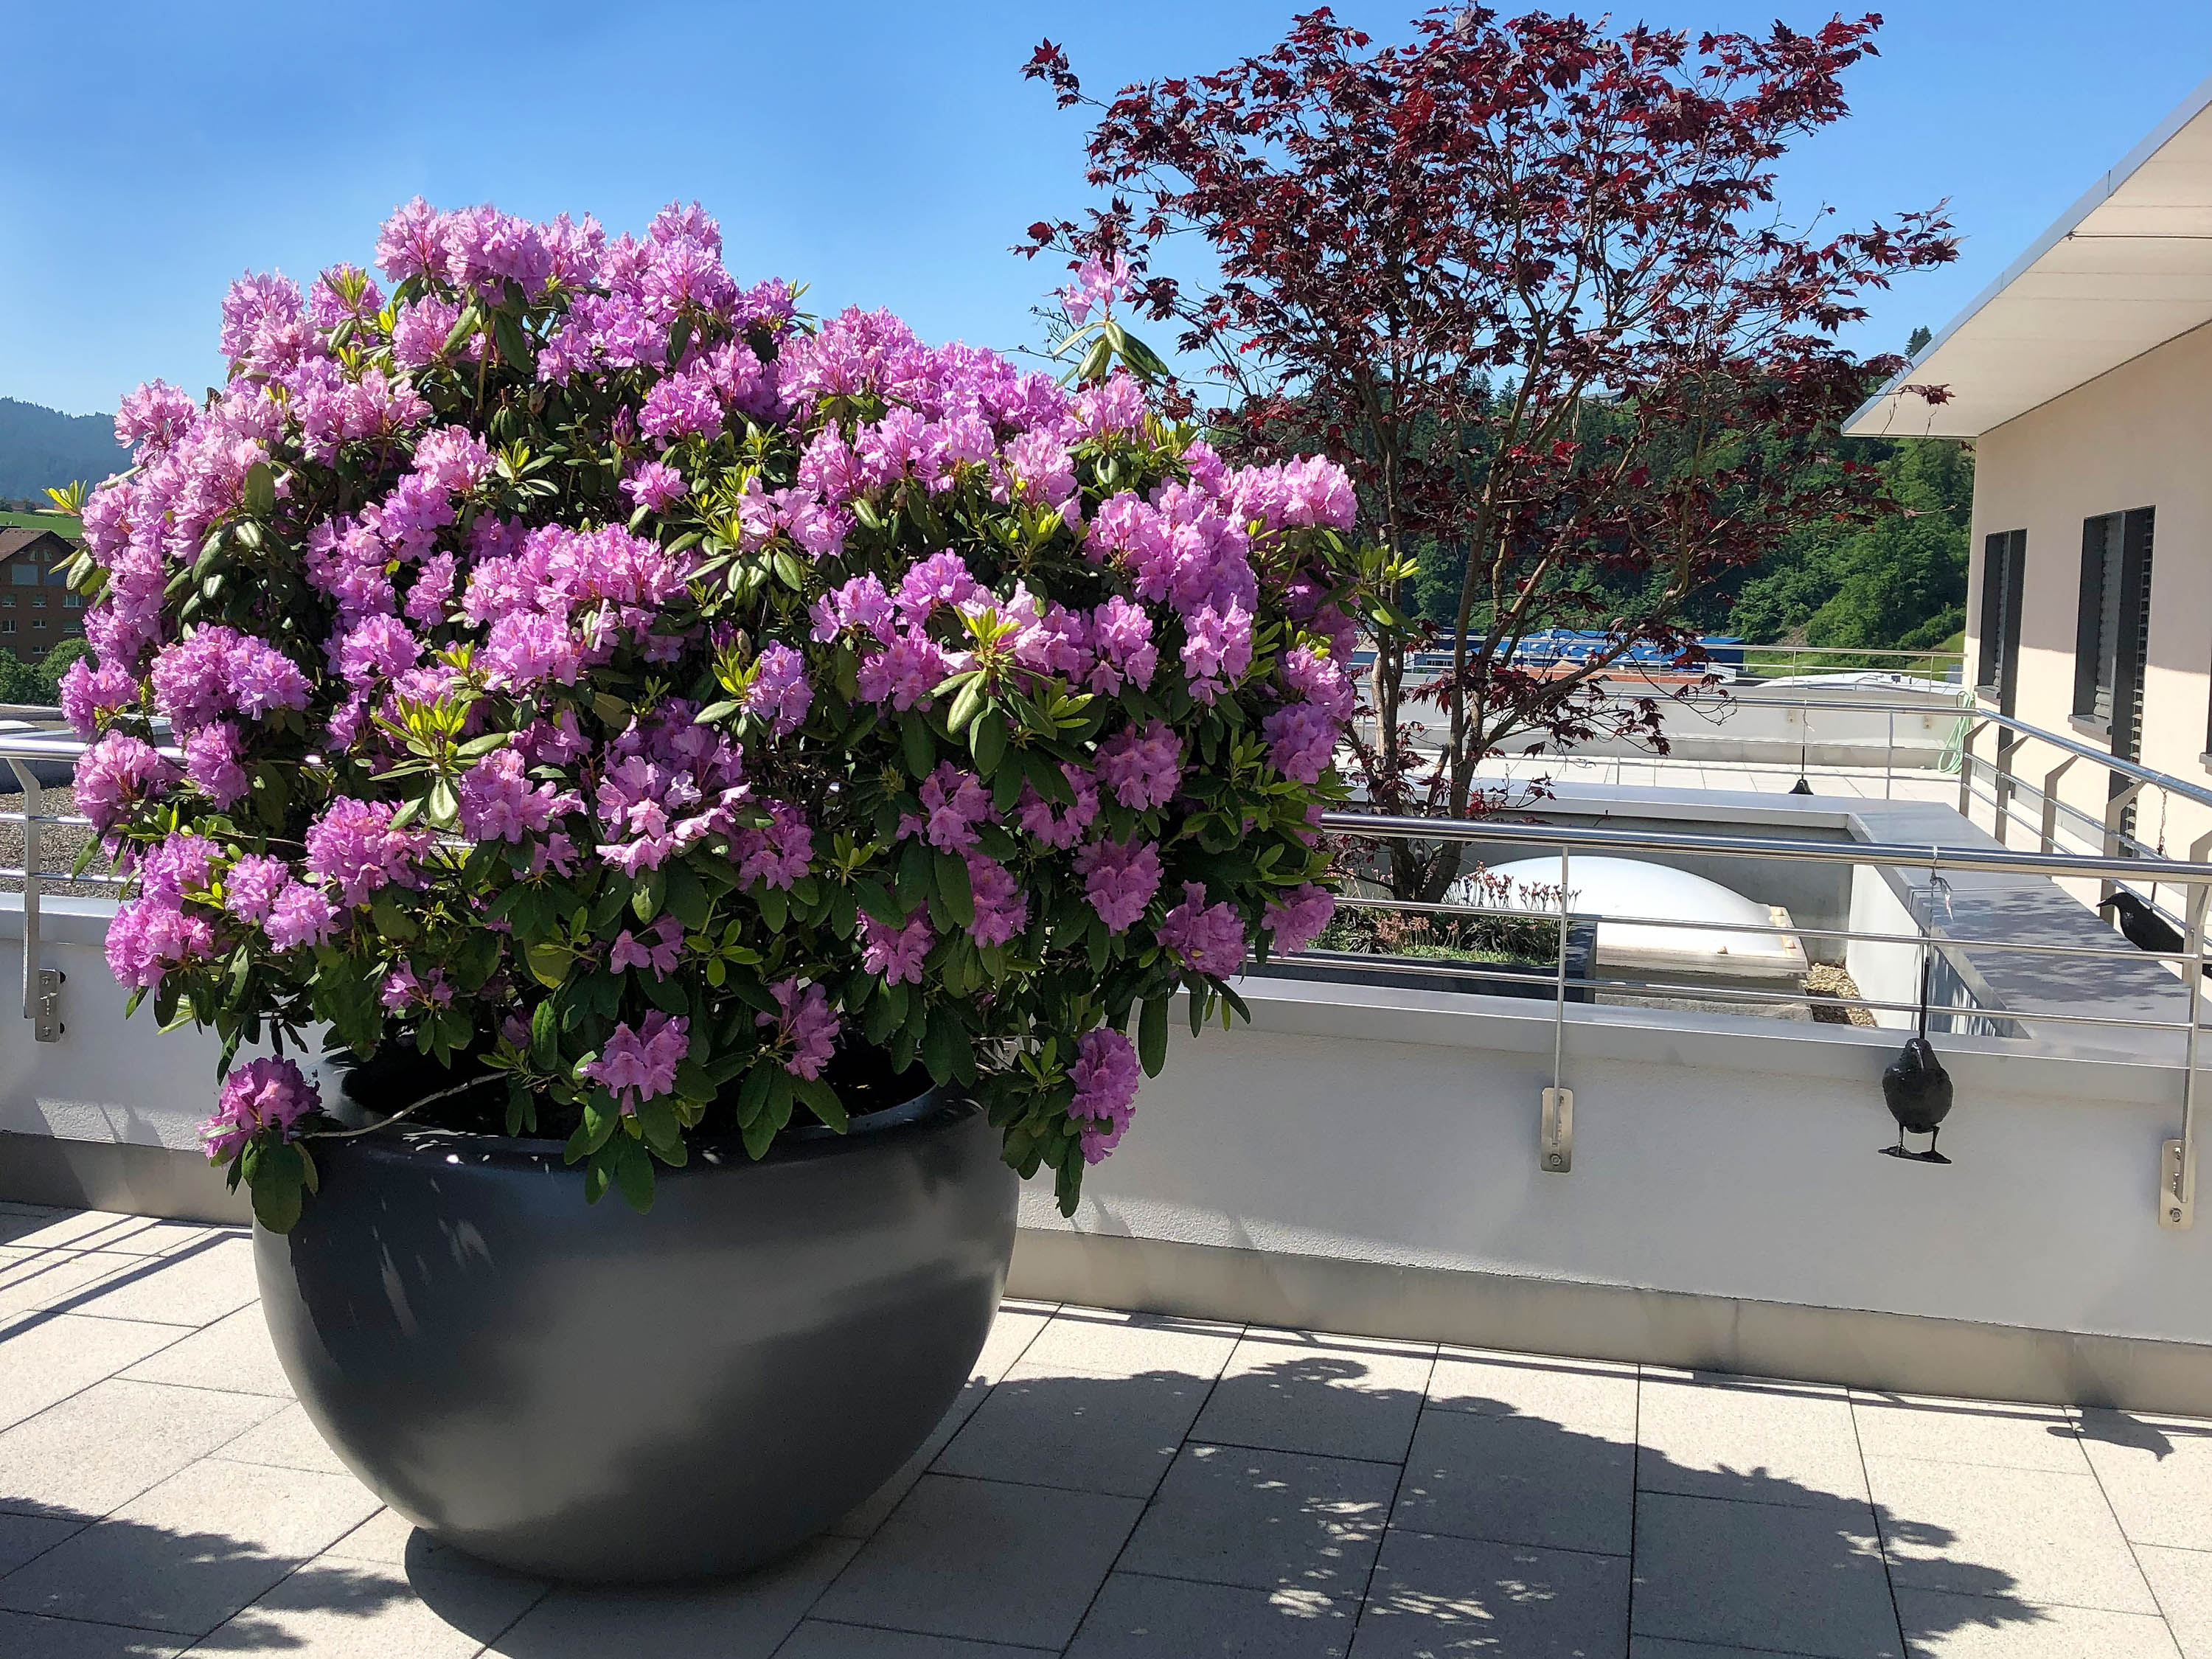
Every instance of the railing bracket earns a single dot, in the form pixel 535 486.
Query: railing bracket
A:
pixel 1558 1133
pixel 2177 1197
pixel 46 1005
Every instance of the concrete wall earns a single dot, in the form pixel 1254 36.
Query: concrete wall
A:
pixel 2139 437
pixel 1711 1157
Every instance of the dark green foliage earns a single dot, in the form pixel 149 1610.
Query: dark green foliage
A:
pixel 1897 582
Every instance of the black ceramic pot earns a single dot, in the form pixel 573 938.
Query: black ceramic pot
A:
pixel 587 1394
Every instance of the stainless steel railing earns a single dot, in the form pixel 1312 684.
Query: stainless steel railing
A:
pixel 1933 938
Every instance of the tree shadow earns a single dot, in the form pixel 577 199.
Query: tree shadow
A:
pixel 115 1584
pixel 1326 1490
pixel 1319 1486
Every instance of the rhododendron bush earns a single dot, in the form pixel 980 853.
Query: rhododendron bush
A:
pixel 594 677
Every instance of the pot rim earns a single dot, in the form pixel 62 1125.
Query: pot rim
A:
pixel 933 1108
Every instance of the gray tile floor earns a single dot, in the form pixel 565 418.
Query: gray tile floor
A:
pixel 1111 1486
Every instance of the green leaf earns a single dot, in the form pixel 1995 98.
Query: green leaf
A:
pixel 822 1100
pixel 1152 1035
pixel 966 706
pixel 633 1173
pixel 986 740
pixel 545 1037
pixel 774 908
pixel 276 1179
pixel 261 502
pixel 920 749
pixel 465 325
pixel 686 895
pixel 514 346
pixel 952 886
pixel 549 964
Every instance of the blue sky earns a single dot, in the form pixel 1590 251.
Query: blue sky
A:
pixel 886 153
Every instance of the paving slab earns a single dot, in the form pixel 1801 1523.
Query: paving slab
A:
pixel 194 1551
pixel 1993 1433
pixel 233 1354
pixel 358 1610
pixel 99 1230
pixel 1518 1480
pixel 1110 1344
pixel 1049 1425
pixel 1333 1397
pixel 50 1356
pixel 819 1639
pixel 1939 1626
pixel 1749 1575
pixel 985 1559
pixel 102 1446
pixel 1574 1394
pixel 1761 1442
pixel 196 1286
pixel 286 1440
pixel 1433 1596
pixel 745 1617
pixel 26 1636
pixel 24 1536
pixel 32 1282
pixel 1136 1617
pixel 2157 1472
pixel 2029 1535
pixel 1266 1519
pixel 2182 1582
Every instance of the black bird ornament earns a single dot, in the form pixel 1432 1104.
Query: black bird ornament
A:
pixel 1917 1091
pixel 1915 1086
pixel 2142 927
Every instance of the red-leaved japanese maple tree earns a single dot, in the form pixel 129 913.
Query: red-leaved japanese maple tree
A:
pixel 1527 280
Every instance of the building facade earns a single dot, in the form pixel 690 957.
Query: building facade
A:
pixel 2083 377
pixel 38 611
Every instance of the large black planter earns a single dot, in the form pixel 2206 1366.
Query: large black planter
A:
pixel 584 1392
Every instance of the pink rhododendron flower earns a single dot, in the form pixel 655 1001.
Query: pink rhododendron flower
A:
pixel 1141 769
pixel 1210 937
pixel 806 1023
pixel 1297 918
pixel 354 845
pixel 260 1095
pixel 639 1065
pixel 897 953
pixel 251 885
pixel 656 949
pixel 300 916
pixel 655 485
pixel 1119 879
pixel 1002 906
pixel 1106 1077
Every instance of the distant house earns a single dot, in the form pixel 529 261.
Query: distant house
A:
pixel 2084 376
pixel 38 611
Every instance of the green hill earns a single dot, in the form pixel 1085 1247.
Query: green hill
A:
pixel 40 448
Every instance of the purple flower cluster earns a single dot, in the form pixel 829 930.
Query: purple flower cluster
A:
pixel 805 1026
pixel 260 1095
pixel 552 609
pixel 1106 1076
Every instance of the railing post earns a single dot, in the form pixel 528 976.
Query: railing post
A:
pixel 1556 1140
pixel 41 987
pixel 2050 841
pixel 2176 1195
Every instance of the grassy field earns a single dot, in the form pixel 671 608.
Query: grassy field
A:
pixel 60 522
pixel 1774 663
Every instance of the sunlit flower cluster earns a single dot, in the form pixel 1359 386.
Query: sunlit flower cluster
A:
pixel 550 618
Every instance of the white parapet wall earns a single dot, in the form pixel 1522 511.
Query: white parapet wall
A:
pixel 1366 1159
pixel 1725 1188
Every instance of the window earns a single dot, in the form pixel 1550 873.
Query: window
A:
pixel 2112 625
pixel 7 624
pixel 2004 559
pixel 38 602
pixel 23 573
